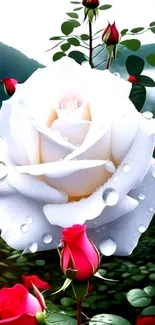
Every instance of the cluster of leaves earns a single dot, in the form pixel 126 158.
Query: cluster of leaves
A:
pixel 143 298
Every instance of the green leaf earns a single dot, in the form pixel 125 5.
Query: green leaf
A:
pixel 72 14
pixel 138 95
pixel 75 2
pixel 105 319
pixel 138 298
pixel 138 277
pixel 153 28
pixel 151 59
pixel 67 27
pixel 77 9
pixel 134 65
pixel 75 22
pixel 67 302
pixel 146 81
pixel 40 262
pixel 73 41
pixel 78 56
pixel 58 55
pixel 148 311
pixel 137 29
pixel 55 38
pixel 132 44
pixel 65 47
pixel 124 31
pixel 58 319
pixel 152 276
pixel 105 7
pixel 84 37
pixel 150 291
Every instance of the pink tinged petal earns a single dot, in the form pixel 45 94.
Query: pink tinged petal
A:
pixel 24 225
pixel 74 132
pixel 121 183
pixel 122 135
pixel 126 231
pixel 53 146
pixel 112 213
pixel 76 178
pixel 33 187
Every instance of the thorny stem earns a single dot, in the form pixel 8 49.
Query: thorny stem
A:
pixel 79 311
pixel 90 45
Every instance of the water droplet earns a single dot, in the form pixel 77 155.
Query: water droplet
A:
pixel 3 170
pixel 126 168
pixel 29 220
pixel 110 167
pixel 153 173
pixel 24 228
pixel 141 196
pixel 110 196
pixel 141 228
pixel 108 247
pixel 151 209
pixel 117 74
pixel 97 229
pixel 148 115
pixel 47 238
pixel 33 247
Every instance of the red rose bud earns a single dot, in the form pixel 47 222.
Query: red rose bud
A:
pixel 79 257
pixel 132 79
pixel 18 306
pixel 110 35
pixel 29 280
pixel 9 85
pixel 91 4
pixel 145 320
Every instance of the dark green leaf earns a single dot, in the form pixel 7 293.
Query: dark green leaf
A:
pixel 136 30
pixel 134 65
pixel 138 277
pixel 57 56
pixel 138 298
pixel 106 319
pixel 84 37
pixel 152 24
pixel 58 319
pixel 72 14
pixel 132 44
pixel 73 41
pixel 40 262
pixel 124 31
pixel 55 38
pixel 75 22
pixel 151 59
pixel 152 276
pixel 78 56
pixel 138 95
pixel 75 2
pixel 146 81
pixel 67 27
pixel 67 302
pixel 65 47
pixel 77 9
pixel 105 7
pixel 148 311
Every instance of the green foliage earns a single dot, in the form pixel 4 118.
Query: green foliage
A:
pixel 131 44
pixel 67 27
pixel 148 311
pixel 72 14
pixel 57 319
pixel 136 30
pixel 105 319
pixel 138 298
pixel 138 95
pixel 152 27
pixel 105 7
pixel 78 56
pixel 134 65
pixel 57 56
pixel 65 47
pixel 150 58
pixel 73 41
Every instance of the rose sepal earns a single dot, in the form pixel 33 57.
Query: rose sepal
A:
pixel 64 286
pixel 40 297
pixel 98 275
pixel 80 290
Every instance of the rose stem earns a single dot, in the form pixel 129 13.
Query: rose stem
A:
pixel 90 45
pixel 108 62
pixel 79 310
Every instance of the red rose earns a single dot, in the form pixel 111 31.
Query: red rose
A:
pixel 79 256
pixel 18 306
pixel 9 85
pixel 92 4
pixel 29 280
pixel 145 320
pixel 110 35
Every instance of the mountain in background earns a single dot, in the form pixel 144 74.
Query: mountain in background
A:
pixel 15 64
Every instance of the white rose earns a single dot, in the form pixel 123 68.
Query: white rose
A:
pixel 74 151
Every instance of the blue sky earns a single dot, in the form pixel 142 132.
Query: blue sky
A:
pixel 28 24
